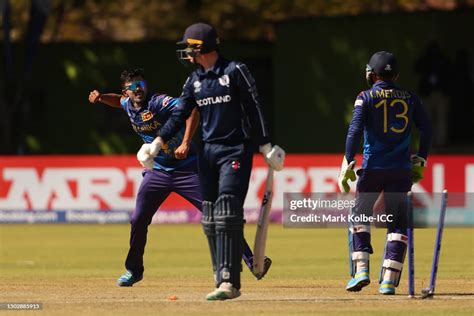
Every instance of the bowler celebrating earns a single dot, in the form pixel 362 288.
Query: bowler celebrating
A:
pixel 384 114
pixel 226 97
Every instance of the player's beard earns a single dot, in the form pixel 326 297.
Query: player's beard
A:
pixel 139 98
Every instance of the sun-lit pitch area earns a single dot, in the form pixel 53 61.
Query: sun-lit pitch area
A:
pixel 72 269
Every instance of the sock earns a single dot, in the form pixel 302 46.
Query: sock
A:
pixel 362 264
pixel 390 275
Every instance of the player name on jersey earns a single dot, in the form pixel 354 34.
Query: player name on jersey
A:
pixel 390 93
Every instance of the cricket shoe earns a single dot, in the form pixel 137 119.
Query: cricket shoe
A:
pixel 128 279
pixel 387 288
pixel 226 291
pixel 359 280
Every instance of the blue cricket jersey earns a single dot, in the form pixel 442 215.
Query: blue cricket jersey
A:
pixel 147 122
pixel 228 102
pixel 385 115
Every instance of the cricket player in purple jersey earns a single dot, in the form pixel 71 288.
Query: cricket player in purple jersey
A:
pixel 384 114
pixel 174 169
pixel 225 94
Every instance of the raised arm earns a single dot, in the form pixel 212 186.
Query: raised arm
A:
pixel 111 99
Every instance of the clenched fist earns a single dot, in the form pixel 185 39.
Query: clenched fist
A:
pixel 182 151
pixel 94 96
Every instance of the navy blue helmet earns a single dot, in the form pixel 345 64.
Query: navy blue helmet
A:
pixel 383 64
pixel 199 38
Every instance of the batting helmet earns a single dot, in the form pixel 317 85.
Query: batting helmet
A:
pixel 199 38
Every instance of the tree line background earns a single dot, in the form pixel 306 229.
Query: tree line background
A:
pixel 139 20
pixel 55 51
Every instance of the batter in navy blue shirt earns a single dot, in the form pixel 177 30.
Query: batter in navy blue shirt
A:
pixel 225 94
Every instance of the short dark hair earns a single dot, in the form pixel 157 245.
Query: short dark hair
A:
pixel 129 74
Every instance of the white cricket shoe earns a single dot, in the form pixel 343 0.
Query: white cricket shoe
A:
pixel 225 291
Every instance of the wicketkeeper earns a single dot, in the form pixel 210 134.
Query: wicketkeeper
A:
pixel 226 97
pixel 384 114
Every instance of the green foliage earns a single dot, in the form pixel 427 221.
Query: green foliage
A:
pixel 314 70
pixel 138 20
pixel 320 68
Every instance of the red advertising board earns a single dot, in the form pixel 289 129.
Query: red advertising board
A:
pixel 97 183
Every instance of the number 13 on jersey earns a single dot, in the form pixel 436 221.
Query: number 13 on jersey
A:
pixel 401 115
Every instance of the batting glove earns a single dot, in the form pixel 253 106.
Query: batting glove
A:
pixel 274 156
pixel 418 165
pixel 347 173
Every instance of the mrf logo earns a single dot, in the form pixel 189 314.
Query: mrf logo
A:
pixel 146 116
pixel 236 165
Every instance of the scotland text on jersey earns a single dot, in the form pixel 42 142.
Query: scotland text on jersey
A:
pixel 214 100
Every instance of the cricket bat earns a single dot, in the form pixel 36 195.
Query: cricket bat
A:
pixel 262 225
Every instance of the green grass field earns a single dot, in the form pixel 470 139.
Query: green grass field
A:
pixel 72 269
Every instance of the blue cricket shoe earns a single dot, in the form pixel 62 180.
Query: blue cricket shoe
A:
pixel 359 280
pixel 128 279
pixel 387 287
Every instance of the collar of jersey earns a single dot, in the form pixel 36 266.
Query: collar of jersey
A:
pixel 144 104
pixel 384 84
pixel 216 69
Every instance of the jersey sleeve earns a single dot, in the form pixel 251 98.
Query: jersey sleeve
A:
pixel 251 103
pixel 423 123
pixel 356 127
pixel 163 104
pixel 181 109
pixel 123 102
